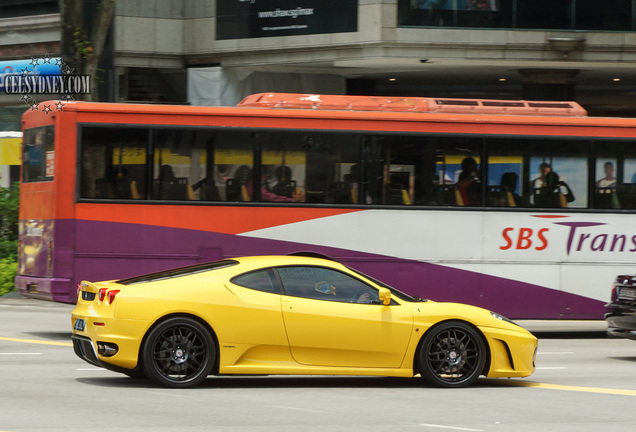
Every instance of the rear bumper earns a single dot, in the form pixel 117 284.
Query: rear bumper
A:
pixel 85 349
pixel 56 289
pixel 127 335
pixel 621 320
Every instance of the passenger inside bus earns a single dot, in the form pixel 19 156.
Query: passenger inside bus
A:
pixel 169 187
pixel 268 194
pixel 606 196
pixel 550 194
pixel 468 185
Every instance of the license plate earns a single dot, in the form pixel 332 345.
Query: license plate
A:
pixel 79 325
pixel 627 294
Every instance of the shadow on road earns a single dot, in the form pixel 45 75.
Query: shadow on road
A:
pixel 292 382
pixel 628 359
pixel 55 336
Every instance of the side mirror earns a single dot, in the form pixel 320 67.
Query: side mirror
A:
pixel 385 296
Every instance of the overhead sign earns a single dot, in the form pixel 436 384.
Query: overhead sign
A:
pixel 241 19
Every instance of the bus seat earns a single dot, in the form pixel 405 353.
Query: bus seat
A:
pixel 101 188
pixel 459 199
pixel 447 195
pixel 606 198
pixel 499 196
pixel 511 199
pixel 406 199
pixel 134 190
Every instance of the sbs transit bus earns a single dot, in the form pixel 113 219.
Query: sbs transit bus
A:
pixel 442 198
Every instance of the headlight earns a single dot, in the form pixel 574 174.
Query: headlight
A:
pixel 502 318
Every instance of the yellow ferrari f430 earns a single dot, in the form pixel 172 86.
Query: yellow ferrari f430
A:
pixel 288 315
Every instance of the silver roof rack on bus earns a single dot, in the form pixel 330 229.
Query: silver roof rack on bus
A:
pixel 411 104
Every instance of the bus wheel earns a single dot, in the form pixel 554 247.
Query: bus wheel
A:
pixel 453 354
pixel 179 353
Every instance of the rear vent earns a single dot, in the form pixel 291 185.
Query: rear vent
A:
pixel 457 102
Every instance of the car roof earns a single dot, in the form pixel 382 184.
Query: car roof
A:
pixel 278 260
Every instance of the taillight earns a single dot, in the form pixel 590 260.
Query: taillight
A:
pixel 102 294
pixel 111 295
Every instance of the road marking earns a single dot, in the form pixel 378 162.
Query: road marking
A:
pixel 20 353
pixel 91 369
pixel 450 427
pixel 551 368
pixel 600 390
pixel 36 341
pixel 555 352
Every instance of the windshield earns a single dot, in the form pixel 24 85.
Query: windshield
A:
pixel 394 291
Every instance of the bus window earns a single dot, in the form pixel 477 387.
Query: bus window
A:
pixel 537 173
pixel 505 174
pixel 458 171
pixel 283 168
pixel 113 162
pixel 605 184
pixel 177 159
pixel 309 167
pixel 615 175
pixel 233 164
pixel 39 154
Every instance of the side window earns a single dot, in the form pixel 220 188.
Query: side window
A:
pixel 326 284
pixel 309 167
pixel 615 176
pixel 458 170
pixel 541 173
pixel 38 154
pixel 260 280
pixel 113 162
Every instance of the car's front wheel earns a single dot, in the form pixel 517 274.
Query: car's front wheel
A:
pixel 452 354
pixel 179 352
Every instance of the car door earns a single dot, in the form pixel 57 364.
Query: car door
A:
pixel 327 326
pixel 257 316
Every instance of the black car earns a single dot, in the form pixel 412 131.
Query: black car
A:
pixel 620 313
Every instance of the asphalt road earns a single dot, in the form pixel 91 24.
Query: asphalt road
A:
pixel 581 384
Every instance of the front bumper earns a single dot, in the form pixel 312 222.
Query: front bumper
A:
pixel 512 353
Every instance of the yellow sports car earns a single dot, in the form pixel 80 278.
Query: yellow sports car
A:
pixel 288 315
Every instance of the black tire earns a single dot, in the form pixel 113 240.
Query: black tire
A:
pixel 452 354
pixel 179 353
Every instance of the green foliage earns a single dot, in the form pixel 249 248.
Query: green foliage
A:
pixel 9 205
pixel 9 249
pixel 8 270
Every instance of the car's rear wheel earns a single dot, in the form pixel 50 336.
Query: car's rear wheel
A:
pixel 452 354
pixel 179 352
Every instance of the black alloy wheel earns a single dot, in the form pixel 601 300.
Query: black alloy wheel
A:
pixel 179 353
pixel 452 354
